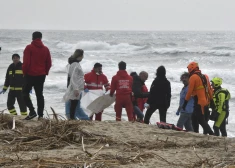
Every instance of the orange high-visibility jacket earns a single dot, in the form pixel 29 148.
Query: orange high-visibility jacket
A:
pixel 196 88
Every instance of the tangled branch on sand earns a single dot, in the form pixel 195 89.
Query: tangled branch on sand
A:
pixel 58 134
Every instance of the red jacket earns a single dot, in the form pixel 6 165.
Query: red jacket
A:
pixel 122 83
pixel 141 101
pixel 37 59
pixel 95 82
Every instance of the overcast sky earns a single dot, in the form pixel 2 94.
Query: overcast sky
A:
pixel 118 14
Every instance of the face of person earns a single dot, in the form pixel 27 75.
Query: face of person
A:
pixel 185 80
pixel 98 70
pixel 16 60
pixel 212 85
pixel 143 77
pixel 80 58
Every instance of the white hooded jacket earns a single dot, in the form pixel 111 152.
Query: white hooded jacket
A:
pixel 76 82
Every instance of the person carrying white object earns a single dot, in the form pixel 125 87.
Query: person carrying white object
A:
pixel 96 80
pixel 88 98
pixel 76 85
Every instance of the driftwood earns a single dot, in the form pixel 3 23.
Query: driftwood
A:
pixel 57 134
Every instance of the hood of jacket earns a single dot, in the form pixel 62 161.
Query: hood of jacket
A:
pixel 122 73
pixel 38 43
pixel 71 59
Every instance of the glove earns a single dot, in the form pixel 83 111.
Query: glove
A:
pixel 212 104
pixel 214 116
pixel 177 113
pixel 185 104
pixel 146 105
pixel 3 91
pixel 86 90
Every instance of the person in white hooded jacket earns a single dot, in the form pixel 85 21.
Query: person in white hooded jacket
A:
pixel 76 85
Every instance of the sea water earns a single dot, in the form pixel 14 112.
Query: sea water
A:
pixel 214 51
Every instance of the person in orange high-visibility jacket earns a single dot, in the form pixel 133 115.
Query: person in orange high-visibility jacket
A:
pixel 96 80
pixel 195 122
pixel 122 84
pixel 199 88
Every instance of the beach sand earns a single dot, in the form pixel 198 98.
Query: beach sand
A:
pixel 52 143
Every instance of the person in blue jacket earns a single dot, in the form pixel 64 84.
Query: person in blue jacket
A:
pixel 185 115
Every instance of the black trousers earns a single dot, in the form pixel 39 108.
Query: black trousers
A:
pixel 152 109
pixel 195 122
pixel 198 117
pixel 222 129
pixel 37 82
pixel 12 96
pixel 73 106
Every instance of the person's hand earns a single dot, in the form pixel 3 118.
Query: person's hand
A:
pixel 185 104
pixel 3 91
pixel 86 90
pixel 214 115
pixel 146 105
pixel 177 113
pixel 31 91
pixel 76 93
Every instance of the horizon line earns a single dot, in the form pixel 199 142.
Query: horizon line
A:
pixel 120 30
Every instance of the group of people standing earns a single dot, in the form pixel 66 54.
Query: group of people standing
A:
pixel 196 96
pixel 22 77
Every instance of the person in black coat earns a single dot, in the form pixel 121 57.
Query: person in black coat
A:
pixel 137 91
pixel 15 81
pixel 160 96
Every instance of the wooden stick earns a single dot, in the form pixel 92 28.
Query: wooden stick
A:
pixel 55 115
pixel 96 153
pixel 14 123
pixel 72 162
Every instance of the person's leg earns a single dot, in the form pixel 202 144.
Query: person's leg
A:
pixel 26 89
pixel 98 116
pixel 221 122
pixel 20 100
pixel 216 131
pixel 79 113
pixel 67 109
pixel 202 121
pixel 195 123
pixel 129 107
pixel 149 113
pixel 188 122
pixel 73 108
pixel 10 102
pixel 38 87
pixel 162 114
pixel 139 113
pixel 223 128
pixel 206 115
pixel 118 107
pixel 182 120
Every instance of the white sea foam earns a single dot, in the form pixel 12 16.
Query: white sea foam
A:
pixel 141 51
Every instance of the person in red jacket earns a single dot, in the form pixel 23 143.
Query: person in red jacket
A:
pixel 122 84
pixel 36 65
pixel 95 80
